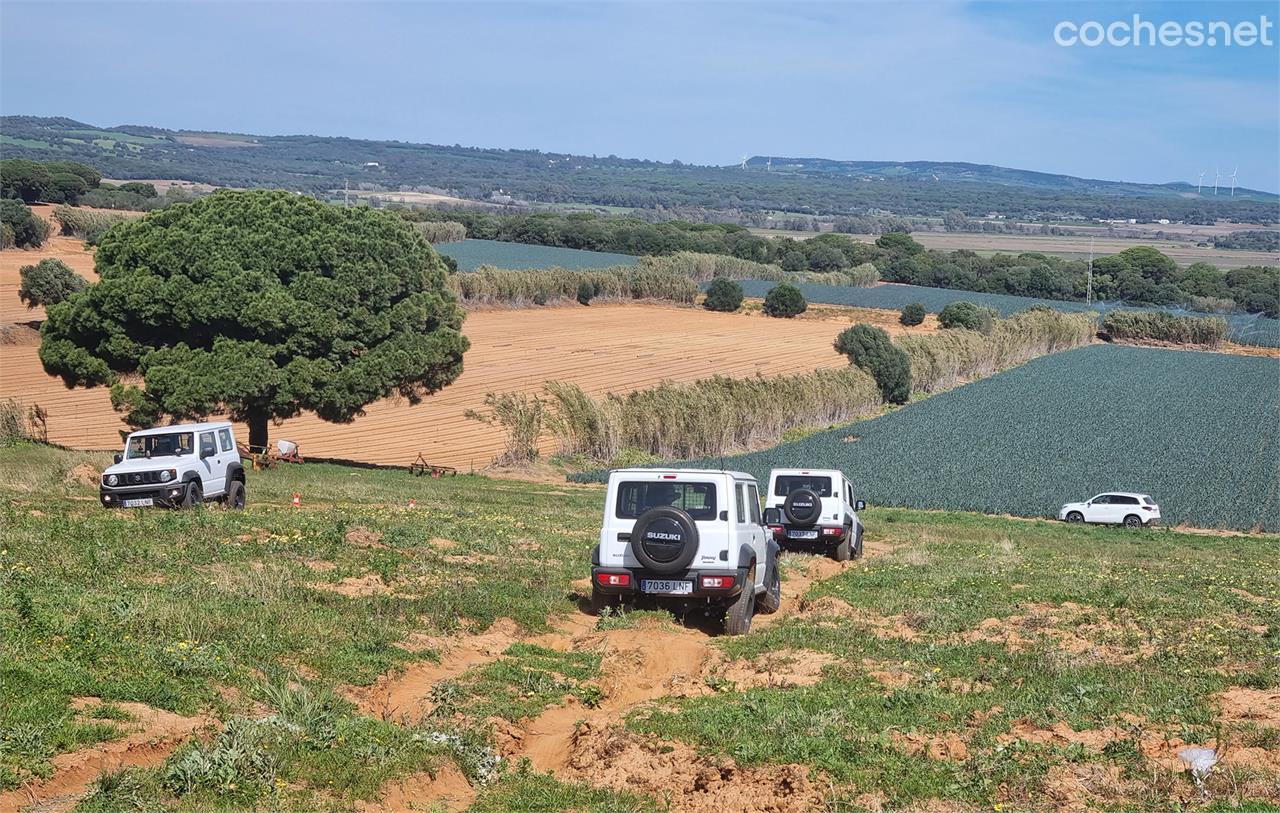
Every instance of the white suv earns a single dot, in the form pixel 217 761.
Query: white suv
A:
pixel 687 539
pixel 815 506
pixel 1114 508
pixel 176 467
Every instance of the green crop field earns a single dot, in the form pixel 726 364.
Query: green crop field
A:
pixel 471 254
pixel 967 664
pixel 1242 328
pixel 1198 431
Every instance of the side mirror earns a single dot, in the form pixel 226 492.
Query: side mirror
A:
pixel 771 516
pixel 860 505
pixel 1089 503
pixel 207 451
pixel 119 457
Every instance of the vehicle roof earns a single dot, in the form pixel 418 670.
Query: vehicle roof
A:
pixel 183 427
pixel 740 475
pixel 1123 493
pixel 806 471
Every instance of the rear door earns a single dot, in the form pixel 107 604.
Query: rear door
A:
pixel 228 455
pixel 1124 506
pixel 747 527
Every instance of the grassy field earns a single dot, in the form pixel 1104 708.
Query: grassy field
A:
pixel 212 660
pixel 471 254
pixel 1244 329
pixel 1198 431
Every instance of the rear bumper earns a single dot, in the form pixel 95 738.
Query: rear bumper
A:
pixel 635 575
pixel 829 533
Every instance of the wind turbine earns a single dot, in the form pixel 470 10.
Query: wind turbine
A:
pixel 1233 181
pixel 744 160
pixel 1216 175
pixel 1199 182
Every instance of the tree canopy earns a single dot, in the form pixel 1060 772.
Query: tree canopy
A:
pixel 261 304
pixel 48 282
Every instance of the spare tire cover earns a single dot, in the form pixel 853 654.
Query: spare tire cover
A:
pixel 665 539
pixel 803 506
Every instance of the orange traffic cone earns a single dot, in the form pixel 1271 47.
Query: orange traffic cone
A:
pixel 297 500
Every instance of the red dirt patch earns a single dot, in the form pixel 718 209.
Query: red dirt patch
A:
pixel 149 739
pixel 407 694
pixel 362 537
pixel 948 745
pixel 446 789
pixel 1258 706
pixel 612 758
pixel 783 668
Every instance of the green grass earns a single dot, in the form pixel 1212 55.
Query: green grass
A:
pixel 946 574
pixel 471 254
pixel 223 613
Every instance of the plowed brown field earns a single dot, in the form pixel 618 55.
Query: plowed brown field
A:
pixel 603 348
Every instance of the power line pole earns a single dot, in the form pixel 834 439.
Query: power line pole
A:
pixel 1088 291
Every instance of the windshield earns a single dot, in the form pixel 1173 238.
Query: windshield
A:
pixel 787 483
pixel 698 499
pixel 169 444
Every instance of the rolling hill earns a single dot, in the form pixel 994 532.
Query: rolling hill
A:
pixel 318 164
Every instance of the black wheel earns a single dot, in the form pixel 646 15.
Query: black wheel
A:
pixel 770 600
pixel 234 500
pixel 1133 521
pixel 843 551
pixel 857 543
pixel 193 496
pixel 1075 516
pixel 665 539
pixel 737 617
pixel 602 601
pixel 803 507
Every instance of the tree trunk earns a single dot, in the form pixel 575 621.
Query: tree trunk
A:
pixel 257 430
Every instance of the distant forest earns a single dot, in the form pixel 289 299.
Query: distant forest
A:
pixel 317 165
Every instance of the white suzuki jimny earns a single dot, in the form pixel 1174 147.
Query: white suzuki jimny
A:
pixel 816 507
pixel 176 467
pixel 686 539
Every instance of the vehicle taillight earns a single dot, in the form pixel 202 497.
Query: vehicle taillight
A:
pixel 1150 507
pixel 613 579
pixel 668 476
pixel 833 531
pixel 716 582
pixel 777 530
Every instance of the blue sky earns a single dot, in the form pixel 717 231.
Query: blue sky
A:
pixel 704 83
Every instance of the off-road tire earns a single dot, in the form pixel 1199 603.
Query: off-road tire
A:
pixel 802 495
pixel 1075 516
pixel 601 601
pixel 857 543
pixel 234 499
pixel 737 616
pixel 1133 521
pixel 193 496
pixel 768 602
pixel 843 551
pixel 672 519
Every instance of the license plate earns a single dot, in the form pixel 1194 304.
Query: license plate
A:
pixel 802 534
pixel 670 587
pixel 141 502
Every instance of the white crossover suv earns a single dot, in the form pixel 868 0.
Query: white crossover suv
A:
pixel 1114 508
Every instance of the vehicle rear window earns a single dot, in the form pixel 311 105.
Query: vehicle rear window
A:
pixel 698 499
pixel 787 483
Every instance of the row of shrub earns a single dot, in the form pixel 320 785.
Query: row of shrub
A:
pixel 488 286
pixel 442 231
pixel 1208 331
pixel 87 224
pixel 708 417
pixel 949 357
pixel 701 267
